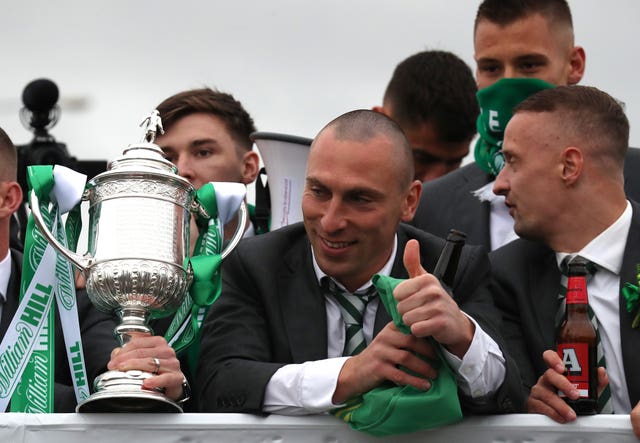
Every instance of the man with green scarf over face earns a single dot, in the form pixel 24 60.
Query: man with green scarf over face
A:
pixel 521 47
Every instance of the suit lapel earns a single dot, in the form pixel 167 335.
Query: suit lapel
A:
pixel 630 337
pixel 13 294
pixel 303 305
pixel 544 283
pixel 475 217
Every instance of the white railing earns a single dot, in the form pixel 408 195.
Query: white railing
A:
pixel 238 428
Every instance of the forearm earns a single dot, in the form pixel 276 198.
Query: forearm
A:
pixel 300 389
pixel 481 371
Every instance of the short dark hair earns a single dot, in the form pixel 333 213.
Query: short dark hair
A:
pixel 209 101
pixel 588 113
pixel 505 12
pixel 8 158
pixel 363 124
pixel 435 87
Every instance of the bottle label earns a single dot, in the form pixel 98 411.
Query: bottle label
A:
pixel 577 291
pixel 575 357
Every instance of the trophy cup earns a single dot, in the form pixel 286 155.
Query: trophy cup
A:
pixel 138 239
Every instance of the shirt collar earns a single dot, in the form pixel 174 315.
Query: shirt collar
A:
pixel 5 274
pixel 386 269
pixel 607 249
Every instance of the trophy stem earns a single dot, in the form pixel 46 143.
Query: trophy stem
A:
pixel 118 391
pixel 133 321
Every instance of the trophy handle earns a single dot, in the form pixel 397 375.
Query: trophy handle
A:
pixel 81 262
pixel 237 236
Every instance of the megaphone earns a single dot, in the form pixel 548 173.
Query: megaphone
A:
pixel 285 160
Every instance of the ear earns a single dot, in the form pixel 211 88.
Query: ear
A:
pixel 577 63
pixel 10 198
pixel 572 163
pixel 381 110
pixel 250 166
pixel 411 200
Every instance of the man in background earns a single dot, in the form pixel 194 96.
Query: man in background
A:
pixel 513 39
pixel 432 96
pixel 96 329
pixel 206 135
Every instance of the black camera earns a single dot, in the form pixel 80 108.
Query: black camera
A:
pixel 39 114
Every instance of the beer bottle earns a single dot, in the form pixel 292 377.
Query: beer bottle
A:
pixel 447 264
pixel 576 342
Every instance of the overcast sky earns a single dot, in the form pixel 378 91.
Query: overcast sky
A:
pixel 294 64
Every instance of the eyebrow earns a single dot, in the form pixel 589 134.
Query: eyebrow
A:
pixel 311 181
pixel 520 58
pixel 194 143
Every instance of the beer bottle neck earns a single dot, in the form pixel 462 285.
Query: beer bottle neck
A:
pixel 577 290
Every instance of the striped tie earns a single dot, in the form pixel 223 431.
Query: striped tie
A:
pixel 605 405
pixel 352 307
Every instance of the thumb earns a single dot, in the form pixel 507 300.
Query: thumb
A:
pixel 411 259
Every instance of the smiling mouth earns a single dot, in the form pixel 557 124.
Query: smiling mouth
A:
pixel 336 244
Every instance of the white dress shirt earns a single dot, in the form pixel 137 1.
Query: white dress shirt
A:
pixel 500 222
pixel 607 251
pixel 5 275
pixel 307 388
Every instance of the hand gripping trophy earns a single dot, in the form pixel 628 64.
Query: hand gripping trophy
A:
pixel 137 263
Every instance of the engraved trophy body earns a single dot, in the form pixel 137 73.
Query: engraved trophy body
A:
pixel 138 240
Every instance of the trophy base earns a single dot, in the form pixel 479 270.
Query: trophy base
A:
pixel 118 391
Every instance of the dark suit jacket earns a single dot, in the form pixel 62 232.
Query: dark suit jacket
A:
pixel 448 202
pixel 96 330
pixel 272 313
pixel 525 286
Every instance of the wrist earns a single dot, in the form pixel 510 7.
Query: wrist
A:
pixel 345 383
pixel 461 346
pixel 186 392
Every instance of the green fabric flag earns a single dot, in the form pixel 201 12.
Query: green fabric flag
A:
pixel 496 108
pixel 390 409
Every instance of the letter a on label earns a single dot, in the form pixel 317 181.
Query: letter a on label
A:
pixel 571 361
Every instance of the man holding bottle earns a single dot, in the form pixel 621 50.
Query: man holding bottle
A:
pixel 563 184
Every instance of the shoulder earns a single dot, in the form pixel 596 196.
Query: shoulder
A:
pixel 272 245
pixel 518 254
pixel 633 155
pixel 431 246
pixel 470 173
pixel 408 232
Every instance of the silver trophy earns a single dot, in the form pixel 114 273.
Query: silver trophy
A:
pixel 138 239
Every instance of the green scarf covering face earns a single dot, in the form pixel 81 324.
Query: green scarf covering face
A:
pixel 496 108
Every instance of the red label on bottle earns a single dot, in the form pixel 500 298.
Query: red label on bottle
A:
pixel 577 291
pixel 575 357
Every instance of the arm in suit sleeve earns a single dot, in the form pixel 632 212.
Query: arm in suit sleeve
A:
pixel 233 367
pixel 471 292
pixel 511 289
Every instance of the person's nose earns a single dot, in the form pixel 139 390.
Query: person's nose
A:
pixel 501 184
pixel 333 219
pixel 185 168
pixel 510 72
